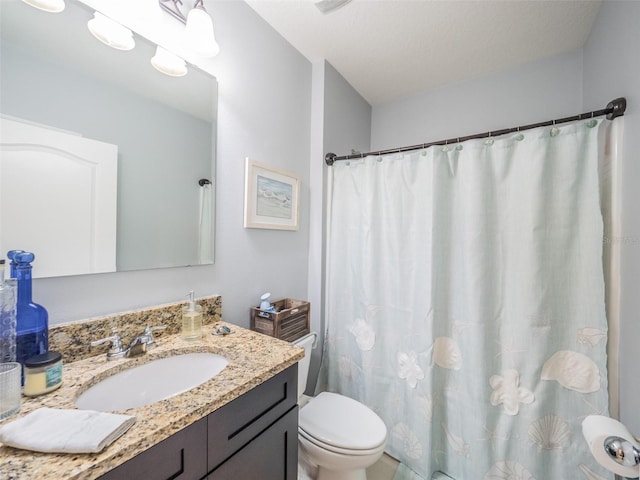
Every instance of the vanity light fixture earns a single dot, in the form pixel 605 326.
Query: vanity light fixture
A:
pixel 110 32
pixel 166 62
pixel 199 36
pixel 52 6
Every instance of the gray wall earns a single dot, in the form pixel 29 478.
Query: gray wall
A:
pixel 612 69
pixel 341 121
pixel 550 88
pixel 264 111
pixel 347 116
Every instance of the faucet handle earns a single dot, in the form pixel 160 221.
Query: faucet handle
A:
pixel 148 331
pixel 116 349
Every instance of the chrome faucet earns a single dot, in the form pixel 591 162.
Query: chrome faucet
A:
pixel 138 345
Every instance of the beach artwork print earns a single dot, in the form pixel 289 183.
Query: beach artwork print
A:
pixel 273 198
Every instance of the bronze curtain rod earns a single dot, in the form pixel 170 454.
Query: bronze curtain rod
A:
pixel 615 108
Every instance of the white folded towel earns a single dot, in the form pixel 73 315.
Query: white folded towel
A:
pixel 65 431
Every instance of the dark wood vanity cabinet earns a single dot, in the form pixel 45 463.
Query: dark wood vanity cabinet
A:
pixel 253 436
pixel 181 456
pixel 272 455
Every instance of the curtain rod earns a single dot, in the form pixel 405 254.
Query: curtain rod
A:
pixel 615 108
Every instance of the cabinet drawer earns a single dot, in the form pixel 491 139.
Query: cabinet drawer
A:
pixel 240 421
pixel 182 456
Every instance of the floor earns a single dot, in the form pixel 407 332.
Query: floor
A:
pixel 383 469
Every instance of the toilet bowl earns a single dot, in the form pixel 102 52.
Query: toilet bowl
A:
pixel 337 435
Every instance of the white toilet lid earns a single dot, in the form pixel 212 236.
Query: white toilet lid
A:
pixel 342 422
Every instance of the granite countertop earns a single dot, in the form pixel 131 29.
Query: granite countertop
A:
pixel 253 359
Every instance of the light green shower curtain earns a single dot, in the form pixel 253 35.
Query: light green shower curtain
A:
pixel 465 302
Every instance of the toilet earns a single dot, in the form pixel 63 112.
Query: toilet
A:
pixel 340 437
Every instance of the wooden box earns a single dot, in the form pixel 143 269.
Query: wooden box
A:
pixel 289 322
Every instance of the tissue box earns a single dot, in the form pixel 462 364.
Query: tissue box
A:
pixel 289 322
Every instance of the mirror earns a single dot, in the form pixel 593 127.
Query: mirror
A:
pixel 60 86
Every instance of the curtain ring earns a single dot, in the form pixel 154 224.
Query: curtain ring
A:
pixel 489 141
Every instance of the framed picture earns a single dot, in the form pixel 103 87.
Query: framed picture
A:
pixel 271 197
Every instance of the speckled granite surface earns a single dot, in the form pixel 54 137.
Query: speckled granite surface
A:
pixel 253 359
pixel 73 339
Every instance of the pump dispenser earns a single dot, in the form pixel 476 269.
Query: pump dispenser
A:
pixel 191 319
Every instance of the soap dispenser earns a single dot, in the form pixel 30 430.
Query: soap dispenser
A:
pixel 191 319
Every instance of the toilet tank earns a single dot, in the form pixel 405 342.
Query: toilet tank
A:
pixel 308 342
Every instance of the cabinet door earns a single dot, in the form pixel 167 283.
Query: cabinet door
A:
pixel 182 456
pixel 273 455
pixel 241 420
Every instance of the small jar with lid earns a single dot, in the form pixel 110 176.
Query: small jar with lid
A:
pixel 42 374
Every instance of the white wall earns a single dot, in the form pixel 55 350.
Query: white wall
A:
pixel 611 70
pixel 264 113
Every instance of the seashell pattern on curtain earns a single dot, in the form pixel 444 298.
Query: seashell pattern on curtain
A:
pixel 465 303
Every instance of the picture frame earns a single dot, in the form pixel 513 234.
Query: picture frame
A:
pixel 271 197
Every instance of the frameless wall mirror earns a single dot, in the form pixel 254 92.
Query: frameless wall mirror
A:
pixel 104 161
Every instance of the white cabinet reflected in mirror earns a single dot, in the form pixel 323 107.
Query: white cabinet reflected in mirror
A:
pixel 79 213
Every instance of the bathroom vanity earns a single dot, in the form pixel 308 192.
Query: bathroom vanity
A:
pixel 254 436
pixel 242 423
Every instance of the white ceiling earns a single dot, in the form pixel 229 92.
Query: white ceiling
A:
pixel 388 49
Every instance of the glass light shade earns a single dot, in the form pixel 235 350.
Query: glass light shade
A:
pixel 168 63
pixel 199 33
pixel 111 32
pixel 53 6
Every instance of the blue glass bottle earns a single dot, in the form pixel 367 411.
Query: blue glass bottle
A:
pixel 32 330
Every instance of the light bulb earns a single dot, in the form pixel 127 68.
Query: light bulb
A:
pixel 199 33
pixel 111 32
pixel 168 63
pixel 53 6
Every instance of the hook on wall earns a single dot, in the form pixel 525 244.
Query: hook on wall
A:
pixel 204 181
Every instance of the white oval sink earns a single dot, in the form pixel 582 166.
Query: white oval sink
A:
pixel 154 381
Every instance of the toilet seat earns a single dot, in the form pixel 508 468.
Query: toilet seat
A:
pixel 342 451
pixel 341 425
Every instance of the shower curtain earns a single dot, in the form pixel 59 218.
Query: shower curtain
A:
pixel 466 302
pixel 205 224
